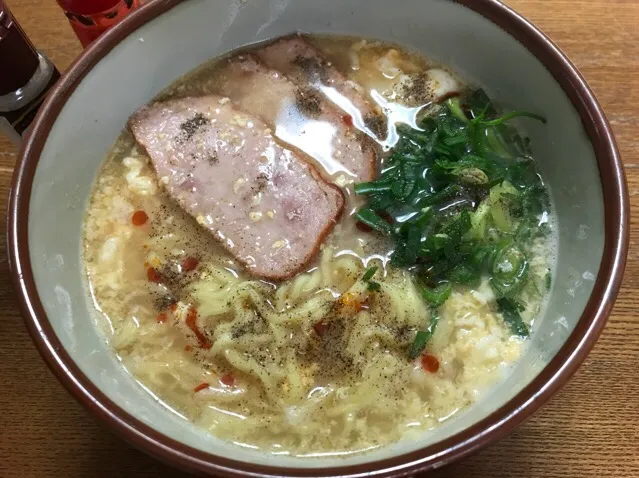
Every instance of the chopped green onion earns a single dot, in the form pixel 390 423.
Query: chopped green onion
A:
pixel 454 140
pixel 510 310
pixel 465 198
pixel 502 197
pixel 510 270
pixel 416 136
pixel 381 202
pixel 496 142
pixel 413 240
pixel 463 274
pixel 402 188
pixel 459 226
pixel 423 336
pixel 437 295
pixel 479 219
pixel 440 196
pixel 455 108
pixel 369 274
pixel 482 257
pixel 511 115
pixel 372 187
pixel 442 149
pixel 370 218
pixel 374 286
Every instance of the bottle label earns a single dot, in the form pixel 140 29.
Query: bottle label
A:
pixel 20 119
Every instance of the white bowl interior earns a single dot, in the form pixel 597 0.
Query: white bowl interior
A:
pixel 169 46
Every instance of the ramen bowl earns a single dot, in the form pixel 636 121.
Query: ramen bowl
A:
pixel 483 40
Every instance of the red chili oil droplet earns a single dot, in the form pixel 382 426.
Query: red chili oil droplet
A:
pixel 139 218
pixel 348 120
pixel 363 227
pixel 228 380
pixel 320 328
pixel 173 306
pixel 430 363
pixel 153 275
pixel 201 387
pixel 191 315
pixel 189 264
pixel 191 323
pixel 162 317
pixel 188 348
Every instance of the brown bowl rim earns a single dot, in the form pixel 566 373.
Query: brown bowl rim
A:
pixel 486 431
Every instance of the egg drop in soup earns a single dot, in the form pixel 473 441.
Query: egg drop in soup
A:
pixel 320 245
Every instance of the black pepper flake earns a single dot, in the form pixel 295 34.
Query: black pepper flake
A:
pixel 329 352
pixel 191 126
pixel 377 125
pixel 163 302
pixel 256 325
pixel 173 278
pixel 365 142
pixel 309 102
pixel 312 69
pixel 262 182
pixel 417 91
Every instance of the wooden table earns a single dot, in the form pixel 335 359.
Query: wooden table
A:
pixel 590 429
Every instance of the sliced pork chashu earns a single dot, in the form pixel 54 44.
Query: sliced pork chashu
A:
pixel 301 116
pixel 304 64
pixel 264 203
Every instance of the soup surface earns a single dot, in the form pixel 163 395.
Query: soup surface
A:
pixel 419 263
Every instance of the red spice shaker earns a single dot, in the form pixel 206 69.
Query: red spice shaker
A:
pixel 26 76
pixel 91 18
